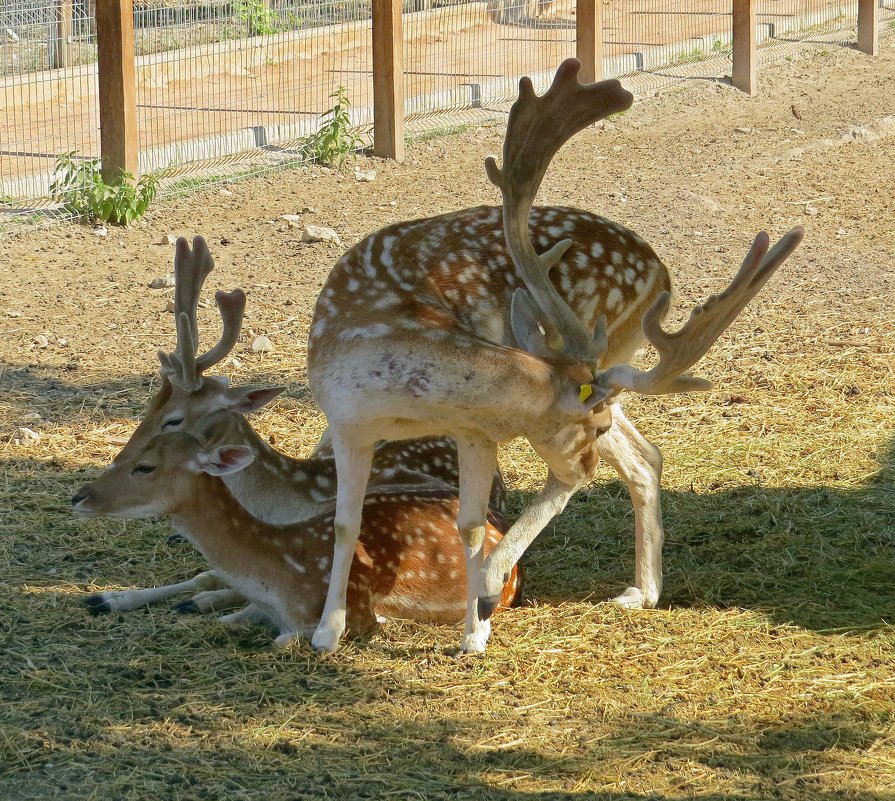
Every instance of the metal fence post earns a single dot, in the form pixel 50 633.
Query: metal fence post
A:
pixel 589 39
pixel 60 51
pixel 868 27
pixel 117 88
pixel 744 75
pixel 388 79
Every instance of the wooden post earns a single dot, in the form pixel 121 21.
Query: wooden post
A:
pixel 744 70
pixel 117 89
pixel 868 27
pixel 589 39
pixel 388 79
pixel 60 52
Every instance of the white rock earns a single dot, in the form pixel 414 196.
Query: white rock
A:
pixel 100 230
pixel 226 193
pixel 40 341
pixel 365 176
pixel 31 416
pixel 262 345
pixel 162 282
pixel 13 313
pixel 318 233
pixel 25 436
pixel 293 219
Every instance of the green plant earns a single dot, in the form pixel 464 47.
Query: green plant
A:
pixel 336 138
pixel 80 188
pixel 258 17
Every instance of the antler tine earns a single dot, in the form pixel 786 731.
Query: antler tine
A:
pixel 537 128
pixel 191 268
pixel 679 351
pixel 232 307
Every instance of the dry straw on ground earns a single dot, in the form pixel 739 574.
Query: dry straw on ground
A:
pixel 769 671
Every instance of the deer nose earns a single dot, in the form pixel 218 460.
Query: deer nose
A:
pixel 80 495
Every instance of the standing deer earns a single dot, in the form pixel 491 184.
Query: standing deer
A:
pixel 407 563
pixel 272 487
pixel 431 327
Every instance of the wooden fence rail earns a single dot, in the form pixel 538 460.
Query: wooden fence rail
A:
pixel 117 99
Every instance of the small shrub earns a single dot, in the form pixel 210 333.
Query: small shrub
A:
pixel 257 17
pixel 80 188
pixel 336 138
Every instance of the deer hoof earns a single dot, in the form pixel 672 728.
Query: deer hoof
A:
pixel 96 604
pixel 634 598
pixel 487 605
pixel 326 640
pixel 476 642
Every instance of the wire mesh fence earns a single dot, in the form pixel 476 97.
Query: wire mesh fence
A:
pixel 234 87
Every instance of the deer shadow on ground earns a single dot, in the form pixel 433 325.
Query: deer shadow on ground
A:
pixel 819 557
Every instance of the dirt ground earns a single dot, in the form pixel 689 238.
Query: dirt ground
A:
pixel 748 683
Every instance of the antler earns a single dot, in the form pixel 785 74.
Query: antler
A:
pixel 537 128
pixel 678 352
pixel 191 267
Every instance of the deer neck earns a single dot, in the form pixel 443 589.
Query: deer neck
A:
pixel 276 488
pixel 225 533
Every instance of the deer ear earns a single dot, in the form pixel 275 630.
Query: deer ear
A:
pixel 249 399
pixel 225 459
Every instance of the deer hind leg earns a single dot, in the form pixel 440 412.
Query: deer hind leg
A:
pixel 639 463
pixel 478 461
pixel 126 600
pixel 354 459
pixel 548 503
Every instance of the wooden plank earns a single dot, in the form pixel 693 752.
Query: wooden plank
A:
pixel 589 39
pixel 744 65
pixel 117 89
pixel 60 52
pixel 388 79
pixel 868 27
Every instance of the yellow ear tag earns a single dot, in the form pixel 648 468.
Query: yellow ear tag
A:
pixel 586 391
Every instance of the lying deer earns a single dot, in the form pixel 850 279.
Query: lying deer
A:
pixel 408 562
pixel 431 327
pixel 273 487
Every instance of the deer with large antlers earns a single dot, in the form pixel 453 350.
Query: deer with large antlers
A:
pixel 273 487
pixel 433 327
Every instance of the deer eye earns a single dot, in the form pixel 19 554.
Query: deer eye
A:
pixel 172 421
pixel 143 469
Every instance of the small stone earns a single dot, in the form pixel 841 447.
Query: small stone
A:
pixel 318 233
pixel 294 220
pixel 262 345
pixel 365 176
pixel 25 436
pixel 169 307
pixel 168 239
pixel 40 341
pixel 31 416
pixel 100 230
pixel 62 342
pixel 13 313
pixel 226 193
pixel 236 363
pixel 162 282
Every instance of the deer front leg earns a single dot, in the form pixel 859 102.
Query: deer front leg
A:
pixel 548 503
pixel 125 600
pixel 639 463
pixel 477 460
pixel 353 461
